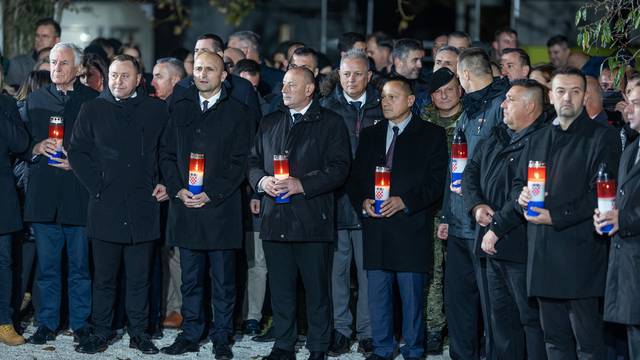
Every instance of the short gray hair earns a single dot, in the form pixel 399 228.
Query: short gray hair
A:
pixel 247 35
pixel 77 52
pixel 175 65
pixel 355 54
pixel 449 48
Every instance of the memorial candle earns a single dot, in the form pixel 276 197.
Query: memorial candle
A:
pixel 382 187
pixel 56 133
pixel 196 173
pixel 281 172
pixel 536 181
pixel 458 157
pixel 606 189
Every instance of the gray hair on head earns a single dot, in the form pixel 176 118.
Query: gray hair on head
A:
pixel 176 66
pixel 355 54
pixel 77 52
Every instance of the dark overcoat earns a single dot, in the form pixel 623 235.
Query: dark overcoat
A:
pixel 54 195
pixel 319 156
pixel 402 242
pixel 622 293
pixel 114 152
pixel 223 134
pixel 567 260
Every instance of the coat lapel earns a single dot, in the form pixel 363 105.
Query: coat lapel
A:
pixel 628 169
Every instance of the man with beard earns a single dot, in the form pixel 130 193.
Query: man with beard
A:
pixel 208 123
pixel 566 261
pixel 114 152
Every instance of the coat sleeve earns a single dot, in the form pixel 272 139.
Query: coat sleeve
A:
pixel 357 185
pixel 169 159
pixel 255 168
pixel 229 180
pixel 12 129
pixel 472 180
pixel 337 160
pixel 81 151
pixel 578 210
pixel 629 220
pixel 434 175
pixel 519 179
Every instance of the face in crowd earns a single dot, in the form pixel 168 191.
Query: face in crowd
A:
pixel 208 73
pixel 354 77
pixel 123 79
pixel 567 95
pixel 396 100
pixel 297 88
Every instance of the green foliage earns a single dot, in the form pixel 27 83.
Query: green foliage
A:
pixel 610 24
pixel 19 16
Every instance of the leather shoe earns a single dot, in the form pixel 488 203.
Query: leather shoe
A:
pixel 376 357
pixel 9 336
pixel 93 344
pixel 81 334
pixel 222 351
pixel 280 354
pixel 434 343
pixel 317 355
pixel 266 337
pixel 172 321
pixel 365 347
pixel 41 336
pixel 340 344
pixel 180 346
pixel 251 327
pixel 144 344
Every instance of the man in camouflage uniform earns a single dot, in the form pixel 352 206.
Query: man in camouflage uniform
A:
pixel 444 110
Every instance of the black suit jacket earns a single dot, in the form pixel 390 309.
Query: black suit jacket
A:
pixel 402 242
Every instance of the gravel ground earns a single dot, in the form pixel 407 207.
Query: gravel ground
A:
pixel 63 348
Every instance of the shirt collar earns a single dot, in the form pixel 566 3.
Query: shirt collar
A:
pixel 400 126
pixel 303 111
pixel 135 93
pixel 362 98
pixel 212 100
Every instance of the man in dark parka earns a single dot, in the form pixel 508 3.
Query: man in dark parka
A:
pixel 622 292
pixel 566 260
pixel 398 243
pixel 205 119
pixel 56 203
pixel 114 153
pixel 298 236
pixel 14 139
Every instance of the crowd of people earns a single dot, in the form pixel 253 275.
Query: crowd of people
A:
pixel 391 199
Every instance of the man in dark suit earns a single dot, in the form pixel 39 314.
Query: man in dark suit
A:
pixel 114 152
pixel 56 203
pixel 566 260
pixel 502 231
pixel 298 236
pixel 397 242
pixel 206 120
pixel 14 139
pixel 622 293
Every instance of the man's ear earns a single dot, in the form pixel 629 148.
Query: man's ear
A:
pixel 411 99
pixel 138 79
pixel 224 75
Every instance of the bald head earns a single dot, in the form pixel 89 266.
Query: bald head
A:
pixel 298 87
pixel 306 74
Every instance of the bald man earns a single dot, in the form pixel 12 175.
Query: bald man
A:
pixel 206 224
pixel 298 231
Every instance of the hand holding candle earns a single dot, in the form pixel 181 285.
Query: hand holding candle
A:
pixel 56 135
pixel 382 187
pixel 458 159
pixel 535 185
pixel 281 173
pixel 606 189
pixel 196 173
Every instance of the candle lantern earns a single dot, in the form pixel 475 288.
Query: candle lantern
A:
pixel 606 188
pixel 458 157
pixel 196 173
pixel 536 180
pixel 382 187
pixel 281 172
pixel 56 133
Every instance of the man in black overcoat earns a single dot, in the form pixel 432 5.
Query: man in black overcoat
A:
pixel 14 139
pixel 398 242
pixel 114 153
pixel 298 236
pixel 502 230
pixel 622 292
pixel 566 259
pixel 206 120
pixel 56 203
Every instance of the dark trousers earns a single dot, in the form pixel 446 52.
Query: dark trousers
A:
pixel 51 239
pixel 633 338
pixel 567 323
pixel 411 286
pixel 515 318
pixel 462 299
pixel 155 288
pixel 6 279
pixel 136 262
pixel 313 261
pixel 223 294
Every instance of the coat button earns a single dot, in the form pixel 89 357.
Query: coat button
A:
pixel 198 131
pixel 617 246
pixel 128 165
pixel 282 236
pixel 125 223
pixel 621 192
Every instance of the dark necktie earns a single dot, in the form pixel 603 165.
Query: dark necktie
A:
pixel 356 105
pixel 205 105
pixel 295 118
pixel 392 147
